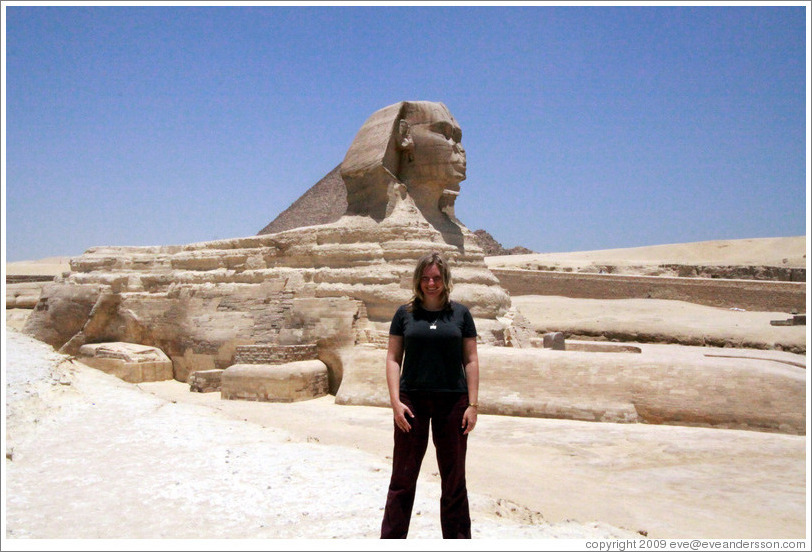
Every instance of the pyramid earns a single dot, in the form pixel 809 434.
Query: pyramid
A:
pixel 323 203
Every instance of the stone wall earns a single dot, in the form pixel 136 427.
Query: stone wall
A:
pixel 274 354
pixel 24 278
pixel 618 387
pixel 23 294
pixel 763 296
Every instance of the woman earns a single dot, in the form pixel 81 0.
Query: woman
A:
pixel 432 372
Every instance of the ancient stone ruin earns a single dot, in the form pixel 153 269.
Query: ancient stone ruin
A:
pixel 333 286
pixel 328 283
pixel 129 361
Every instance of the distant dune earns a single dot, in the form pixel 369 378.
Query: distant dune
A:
pixel 771 252
pixel 52 266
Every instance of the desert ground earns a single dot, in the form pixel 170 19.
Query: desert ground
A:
pixel 787 252
pixel 89 456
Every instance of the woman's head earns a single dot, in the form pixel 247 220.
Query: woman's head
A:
pixel 431 280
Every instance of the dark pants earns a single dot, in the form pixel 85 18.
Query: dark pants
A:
pixel 443 411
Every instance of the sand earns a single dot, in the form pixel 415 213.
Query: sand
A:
pixel 786 252
pixel 89 456
pixel 52 266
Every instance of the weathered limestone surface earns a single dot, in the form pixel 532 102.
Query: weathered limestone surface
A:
pixel 296 287
pixel 331 286
pixel 274 354
pixel 617 387
pixel 293 381
pixel 129 361
pixel 23 295
pixel 206 381
pixel 757 295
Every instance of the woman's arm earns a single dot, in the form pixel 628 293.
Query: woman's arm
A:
pixel 470 359
pixel 394 356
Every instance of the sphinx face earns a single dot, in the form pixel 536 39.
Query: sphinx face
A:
pixel 436 158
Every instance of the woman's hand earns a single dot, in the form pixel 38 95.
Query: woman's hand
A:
pixel 394 356
pixel 401 411
pixel 469 420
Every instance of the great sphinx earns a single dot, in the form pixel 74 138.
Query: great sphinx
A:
pixel 335 284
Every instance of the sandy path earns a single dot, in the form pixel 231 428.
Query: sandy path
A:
pixel 89 456
pixel 156 460
pixel 670 481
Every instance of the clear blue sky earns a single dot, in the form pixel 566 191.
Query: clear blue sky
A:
pixel 585 127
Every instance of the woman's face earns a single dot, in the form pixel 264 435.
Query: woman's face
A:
pixel 431 284
pixel 437 158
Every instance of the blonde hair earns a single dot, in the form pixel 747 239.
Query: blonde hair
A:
pixel 434 258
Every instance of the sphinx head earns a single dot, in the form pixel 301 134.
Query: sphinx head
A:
pixel 432 154
pixel 416 144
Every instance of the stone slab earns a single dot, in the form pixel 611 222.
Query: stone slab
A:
pixel 129 361
pixel 206 381
pixel 290 382
pixel 658 384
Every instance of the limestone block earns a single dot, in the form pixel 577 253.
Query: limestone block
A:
pixel 554 341
pixel 636 387
pixel 294 381
pixel 129 361
pixel 615 387
pixel 364 377
pixel 484 301
pixel 23 295
pixel 61 312
pixel 206 381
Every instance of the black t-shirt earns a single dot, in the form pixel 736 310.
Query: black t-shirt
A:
pixel 432 345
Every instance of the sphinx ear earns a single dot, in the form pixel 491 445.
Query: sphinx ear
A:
pixel 404 136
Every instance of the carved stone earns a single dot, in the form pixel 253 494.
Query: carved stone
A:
pixel 293 381
pixel 206 381
pixel 328 286
pixel 616 387
pixel 23 295
pixel 554 341
pixel 129 361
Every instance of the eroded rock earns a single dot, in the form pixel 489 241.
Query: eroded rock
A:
pixel 289 382
pixel 129 361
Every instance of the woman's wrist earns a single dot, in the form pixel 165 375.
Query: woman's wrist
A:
pixel 473 405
